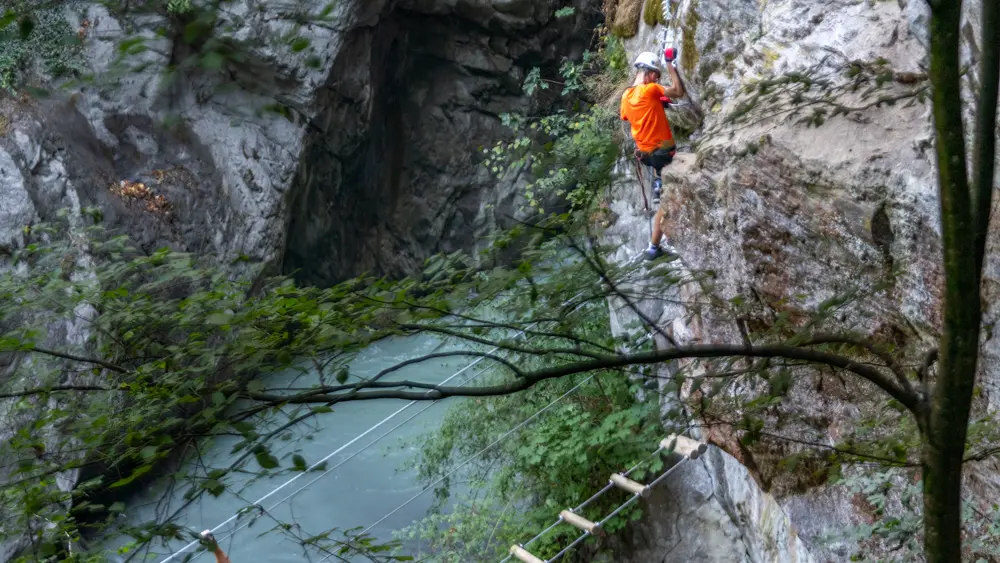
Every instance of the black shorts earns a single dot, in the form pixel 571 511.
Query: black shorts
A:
pixel 658 158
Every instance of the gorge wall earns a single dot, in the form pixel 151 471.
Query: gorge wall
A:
pixel 375 168
pixel 782 216
pixel 364 162
pixel 370 165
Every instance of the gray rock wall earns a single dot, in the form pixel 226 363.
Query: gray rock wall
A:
pixel 788 215
pixel 713 508
pixel 372 168
pixel 390 169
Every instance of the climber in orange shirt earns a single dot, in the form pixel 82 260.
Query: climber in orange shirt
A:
pixel 208 540
pixel 642 106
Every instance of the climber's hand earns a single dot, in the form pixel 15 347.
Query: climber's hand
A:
pixel 207 540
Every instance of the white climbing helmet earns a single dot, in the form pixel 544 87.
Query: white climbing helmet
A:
pixel 648 61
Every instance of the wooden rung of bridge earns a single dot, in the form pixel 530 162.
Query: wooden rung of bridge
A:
pixel 684 446
pixel 524 554
pixel 629 485
pixel 582 523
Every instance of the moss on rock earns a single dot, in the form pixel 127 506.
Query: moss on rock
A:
pixel 652 14
pixel 689 50
pixel 627 15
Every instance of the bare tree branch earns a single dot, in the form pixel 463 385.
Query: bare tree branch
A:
pixel 54 389
pixel 596 265
pixel 872 348
pixel 501 345
pixel 75 358
pixel 435 392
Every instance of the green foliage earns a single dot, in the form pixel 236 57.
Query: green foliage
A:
pixel 892 501
pixel 179 6
pixel 558 461
pixel 169 326
pixel 570 152
pixel 617 65
pixel 36 36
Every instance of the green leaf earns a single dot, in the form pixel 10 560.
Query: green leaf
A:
pixel 212 60
pixel 300 44
pixel 138 472
pixel 243 427
pixel 322 409
pixel 214 487
pixel 9 17
pixel 218 399
pixel 148 452
pixel 219 318
pixel 266 460
pixel 299 462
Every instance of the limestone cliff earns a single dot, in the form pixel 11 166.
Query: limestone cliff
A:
pixel 362 160
pixel 369 164
pixel 786 215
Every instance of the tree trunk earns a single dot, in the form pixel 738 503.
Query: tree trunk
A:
pixel 947 418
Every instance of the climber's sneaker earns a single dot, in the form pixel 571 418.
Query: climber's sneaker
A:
pixel 660 250
pixel 657 189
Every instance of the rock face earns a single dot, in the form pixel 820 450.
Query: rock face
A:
pixel 787 215
pixel 713 508
pixel 389 169
pixel 370 165
pixel 367 163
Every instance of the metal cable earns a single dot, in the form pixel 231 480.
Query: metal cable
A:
pixel 614 513
pixel 350 443
pixel 337 451
pixel 471 458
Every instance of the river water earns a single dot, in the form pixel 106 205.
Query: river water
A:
pixel 357 493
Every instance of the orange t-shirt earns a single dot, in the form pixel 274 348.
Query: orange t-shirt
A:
pixel 642 107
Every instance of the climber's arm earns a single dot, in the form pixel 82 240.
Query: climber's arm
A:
pixel 676 88
pixel 220 556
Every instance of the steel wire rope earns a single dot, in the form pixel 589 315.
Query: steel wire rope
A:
pixel 350 457
pixel 597 495
pixel 482 451
pixel 235 516
pixel 469 459
pixel 614 513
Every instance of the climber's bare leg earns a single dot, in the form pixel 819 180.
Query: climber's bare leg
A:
pixel 657 228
